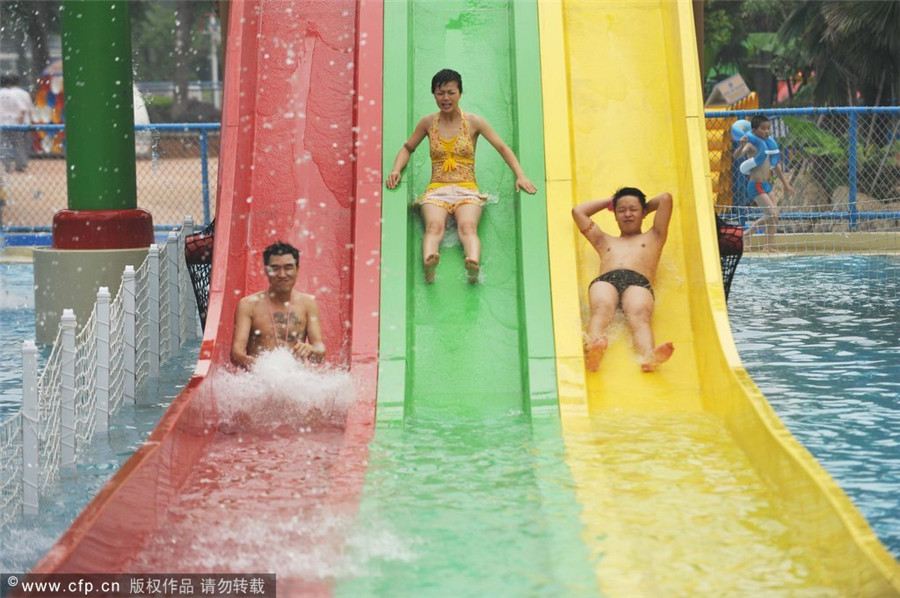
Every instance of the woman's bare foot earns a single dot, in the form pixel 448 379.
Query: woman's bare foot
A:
pixel 472 270
pixel 431 263
pixel 661 354
pixel 593 352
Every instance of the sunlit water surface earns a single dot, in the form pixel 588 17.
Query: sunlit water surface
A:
pixel 820 336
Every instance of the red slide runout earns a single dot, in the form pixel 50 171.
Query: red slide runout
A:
pixel 300 161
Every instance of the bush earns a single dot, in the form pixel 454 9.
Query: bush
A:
pixel 823 151
pixel 159 108
pixel 200 112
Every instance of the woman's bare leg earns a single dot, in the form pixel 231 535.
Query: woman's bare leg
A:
pixel 467 219
pixel 435 219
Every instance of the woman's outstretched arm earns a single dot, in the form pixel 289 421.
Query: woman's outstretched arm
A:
pixel 402 159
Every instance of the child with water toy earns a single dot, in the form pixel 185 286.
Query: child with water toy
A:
pixel 762 157
pixel 627 267
pixel 278 316
pixel 453 191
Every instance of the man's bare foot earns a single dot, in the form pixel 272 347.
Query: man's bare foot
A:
pixel 659 355
pixel 593 353
pixel 431 263
pixel 472 270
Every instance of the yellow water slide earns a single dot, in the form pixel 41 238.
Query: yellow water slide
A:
pixel 690 484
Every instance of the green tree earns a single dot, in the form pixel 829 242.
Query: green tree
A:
pixel 740 37
pixel 853 47
pixel 724 33
pixel 169 44
pixel 28 26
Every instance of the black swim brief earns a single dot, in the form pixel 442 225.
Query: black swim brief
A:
pixel 622 279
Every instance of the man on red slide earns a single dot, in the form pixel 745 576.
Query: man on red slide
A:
pixel 278 316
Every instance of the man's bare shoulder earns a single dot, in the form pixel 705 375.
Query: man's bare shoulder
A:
pixel 304 299
pixel 249 303
pixel 252 298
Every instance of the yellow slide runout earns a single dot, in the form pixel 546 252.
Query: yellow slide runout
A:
pixel 690 484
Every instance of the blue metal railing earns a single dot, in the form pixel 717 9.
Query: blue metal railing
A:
pixel 201 129
pixel 853 113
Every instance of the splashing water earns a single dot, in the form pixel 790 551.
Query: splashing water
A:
pixel 281 394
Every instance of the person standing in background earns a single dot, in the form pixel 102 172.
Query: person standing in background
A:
pixel 15 109
pixel 759 186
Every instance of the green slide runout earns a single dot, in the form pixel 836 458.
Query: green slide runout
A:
pixel 451 348
pixel 468 508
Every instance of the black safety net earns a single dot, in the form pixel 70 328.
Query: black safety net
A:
pixel 731 248
pixel 198 254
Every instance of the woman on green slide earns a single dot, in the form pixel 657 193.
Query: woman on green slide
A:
pixel 453 191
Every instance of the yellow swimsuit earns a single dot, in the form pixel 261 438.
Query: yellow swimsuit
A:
pixel 452 169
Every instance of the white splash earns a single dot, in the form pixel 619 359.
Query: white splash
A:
pixel 280 393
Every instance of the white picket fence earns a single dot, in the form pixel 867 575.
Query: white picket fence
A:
pixel 89 375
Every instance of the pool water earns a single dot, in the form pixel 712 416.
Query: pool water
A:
pixel 23 543
pixel 479 508
pixel 16 325
pixel 820 336
pixel 695 519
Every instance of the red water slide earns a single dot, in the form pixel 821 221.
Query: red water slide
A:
pixel 300 162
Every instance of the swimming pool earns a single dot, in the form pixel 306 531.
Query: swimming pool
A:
pixel 24 542
pixel 820 336
pixel 16 325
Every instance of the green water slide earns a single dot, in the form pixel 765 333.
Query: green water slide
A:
pixel 451 348
pixel 466 492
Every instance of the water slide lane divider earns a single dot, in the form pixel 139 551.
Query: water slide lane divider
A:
pixel 537 346
pixel 395 248
pixel 560 199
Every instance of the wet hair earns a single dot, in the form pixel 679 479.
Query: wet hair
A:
pixel 279 248
pixel 758 120
pixel 8 80
pixel 634 191
pixel 445 76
